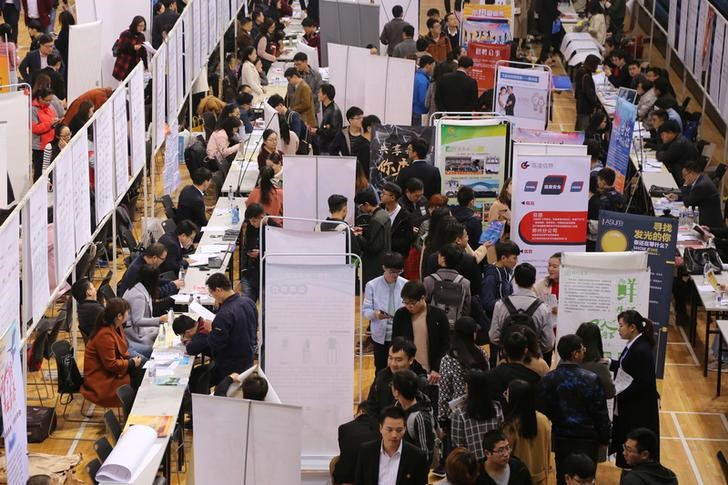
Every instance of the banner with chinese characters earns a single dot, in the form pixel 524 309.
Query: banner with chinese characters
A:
pixel 549 206
pixel 620 142
pixel 12 394
pixel 389 151
pixel 485 57
pixel 473 153
pixel 596 287
pixel 658 238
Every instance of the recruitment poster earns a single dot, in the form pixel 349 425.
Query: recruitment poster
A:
pixel 549 206
pixel 620 141
pixel 12 394
pixel 486 24
pixel 389 151
pixel 522 95
pixel 485 57
pixel 523 135
pixel 472 153
pixel 657 237
pixel 593 291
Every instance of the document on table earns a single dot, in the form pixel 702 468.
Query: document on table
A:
pixel 622 381
pixel 214 228
pixel 705 288
pixel 201 311
pixel 133 452
pixel 213 248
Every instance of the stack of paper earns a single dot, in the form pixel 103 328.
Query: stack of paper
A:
pixel 132 454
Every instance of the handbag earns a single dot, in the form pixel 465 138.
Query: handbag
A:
pixel 694 259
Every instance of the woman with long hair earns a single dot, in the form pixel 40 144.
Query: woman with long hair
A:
pixel 249 74
pixel 85 112
pixel 107 362
pixel 52 149
pixel 598 129
pixel 500 209
pixel 66 19
pixel 288 139
pixel 221 143
pixel 269 145
pixel 594 360
pixel 274 162
pixel 431 228
pixel 528 431
pixel 267 194
pixel 635 404
pixel 130 49
pixel 264 44
pixel 470 422
pixel 518 362
pixel 143 327
pixel 585 91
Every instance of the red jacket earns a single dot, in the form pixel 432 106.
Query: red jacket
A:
pixel 42 124
pixel 44 10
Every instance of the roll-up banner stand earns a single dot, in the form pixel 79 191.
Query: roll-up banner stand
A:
pixel 523 93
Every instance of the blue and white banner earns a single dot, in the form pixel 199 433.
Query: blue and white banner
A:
pixel 522 95
pixel 620 142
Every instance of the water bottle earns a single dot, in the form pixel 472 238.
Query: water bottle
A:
pixel 151 370
pixel 230 196
pixel 707 267
pixel 689 218
pixel 235 215
pixel 681 217
pixel 696 215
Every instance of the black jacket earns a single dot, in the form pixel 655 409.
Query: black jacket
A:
pixel 173 262
pixel 131 277
pixel 704 195
pixel 438 332
pixel 380 392
pixel 467 267
pixel 675 154
pixel 422 170
pixel 622 79
pixel 473 223
pixel 496 285
pixel 88 313
pixel 611 200
pixel 159 23
pixel 58 85
pixel 374 242
pixel 456 91
pixel 635 406
pixel 586 97
pixel 352 435
pixel 418 209
pixel 331 124
pixel 191 205
pixel 233 338
pixel 413 465
pixel 506 372
pixel 651 473
pixel 338 225
pixel 519 474
pixel 402 234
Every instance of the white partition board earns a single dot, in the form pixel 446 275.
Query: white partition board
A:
pixel 311 361
pixel 279 241
pixel 36 292
pixel 81 192
pixel 136 117
pixel 121 142
pixel 172 79
pixel 375 87
pixel 15 156
pixel 358 64
pixel 104 166
pixel 63 213
pixel 160 90
pixel 115 18
pixel 270 118
pixel 311 53
pixel 399 92
pixel 10 271
pixel 84 59
pixel 235 439
pixel 336 175
pixel 85 11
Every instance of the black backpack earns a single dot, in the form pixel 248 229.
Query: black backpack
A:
pixel 449 296
pixel 69 377
pixel 520 317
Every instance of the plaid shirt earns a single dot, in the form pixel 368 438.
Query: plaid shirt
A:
pixel 469 432
pixel 128 58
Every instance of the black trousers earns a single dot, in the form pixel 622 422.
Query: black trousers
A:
pixel 458 6
pixel 564 447
pixel 37 164
pixel 545 26
pixel 381 354
pixel 12 17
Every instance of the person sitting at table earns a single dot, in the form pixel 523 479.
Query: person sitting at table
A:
pixel 154 255
pixel 220 145
pixel 675 149
pixel 254 387
pixel 108 363
pixel 269 145
pixel 249 74
pixel 232 333
pixel 647 98
pixel 193 335
pixel 699 191
pixel 142 327
pixel 670 106
pixel 89 309
pixel 267 194
pixel 191 204
pixel 656 118
pixel 274 162
pixel 179 244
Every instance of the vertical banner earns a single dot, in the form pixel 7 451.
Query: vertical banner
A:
pixel 485 57
pixel 104 166
pixel 136 116
pixel 522 96
pixel 620 141
pixel 692 26
pixel 658 238
pixel 389 150
pixel 9 272
pixel 172 80
pixel 35 251
pixel 171 160
pixel 472 153
pixel 63 214
pixel 158 80
pixel 683 28
pixel 12 394
pixel 121 142
pixel 549 206
pixel 591 290
pixel 81 193
pixel 716 62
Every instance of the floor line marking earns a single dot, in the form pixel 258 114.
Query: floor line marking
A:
pixel 81 429
pixel 690 347
pixel 686 448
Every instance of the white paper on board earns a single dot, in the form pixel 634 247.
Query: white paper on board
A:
pixel 81 192
pixel 9 271
pixel 63 213
pixel 672 23
pixel 172 80
pixel 121 142
pixel 35 252
pixel 716 63
pixel 136 115
pixel 160 90
pixel 104 162
pixel 683 26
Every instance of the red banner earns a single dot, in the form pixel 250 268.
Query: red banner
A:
pixel 484 58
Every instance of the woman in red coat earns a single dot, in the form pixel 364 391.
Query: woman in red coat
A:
pixel 107 364
pixel 130 49
pixel 43 121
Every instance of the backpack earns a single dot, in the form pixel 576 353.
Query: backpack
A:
pixel 449 296
pixel 520 317
pixel 69 377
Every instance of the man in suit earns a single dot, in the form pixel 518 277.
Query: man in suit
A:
pixel 179 245
pixel 419 168
pixel 457 91
pixel 311 76
pixel 375 239
pixel 301 101
pixel 619 75
pixel 352 435
pixel 53 71
pixel 391 460
pixel 699 191
pixel 402 234
pixel 36 60
pixel 164 22
pixel 675 149
pixel 191 204
pixel 510 101
pixel 154 255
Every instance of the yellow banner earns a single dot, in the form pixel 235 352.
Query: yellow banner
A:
pixel 488 11
pixel 4 72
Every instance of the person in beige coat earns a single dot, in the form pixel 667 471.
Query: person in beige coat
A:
pixel 597 23
pixel 302 99
pixel 528 431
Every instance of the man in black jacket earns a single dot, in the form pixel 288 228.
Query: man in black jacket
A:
pixel 331 119
pixel 191 204
pixel 53 71
pixel 619 76
pixel 401 233
pixel 675 149
pixel 154 255
pixel 164 22
pixel 374 239
pixel 377 458
pixel 499 462
pixel 429 175
pixel 179 245
pixel 457 91
pixel 336 221
pixel 699 191
pixel 639 452
pixel 89 309
pixel 33 61
pixel 465 214
pixel 609 198
pixel 352 435
pixel 414 201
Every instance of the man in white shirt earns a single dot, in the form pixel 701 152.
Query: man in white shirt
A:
pixel 391 461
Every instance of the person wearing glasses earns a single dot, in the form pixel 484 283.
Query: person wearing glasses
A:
pixel 573 399
pixel 580 470
pixel 640 451
pixel 499 465
pixel 381 300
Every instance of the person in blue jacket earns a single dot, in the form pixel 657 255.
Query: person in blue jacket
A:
pixel 422 83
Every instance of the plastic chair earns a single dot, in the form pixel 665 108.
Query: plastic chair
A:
pixel 35 363
pixel 218 178
pixel 92 468
pixel 103 448
pixel 126 395
pixel 113 425
pixel 168 205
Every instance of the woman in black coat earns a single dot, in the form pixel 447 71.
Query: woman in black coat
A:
pixel 636 405
pixel 586 94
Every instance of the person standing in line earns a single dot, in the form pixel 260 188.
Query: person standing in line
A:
pixel 392 31
pixel 500 466
pixel 331 119
pixel 376 238
pixel 130 49
pixel 407 49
